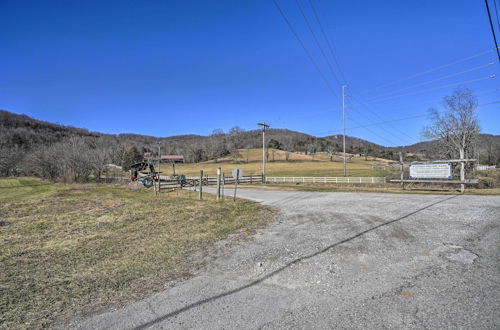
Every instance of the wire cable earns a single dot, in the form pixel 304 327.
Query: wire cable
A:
pixel 283 15
pixel 492 28
pixel 393 120
pixel 496 12
pixel 440 78
pixel 374 133
pixel 329 44
pixel 317 42
pixel 388 131
pixel 431 89
pixel 306 51
pixel 430 70
pixel 383 119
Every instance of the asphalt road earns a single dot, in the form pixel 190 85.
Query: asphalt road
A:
pixel 346 261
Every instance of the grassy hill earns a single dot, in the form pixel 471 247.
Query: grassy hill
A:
pixel 250 161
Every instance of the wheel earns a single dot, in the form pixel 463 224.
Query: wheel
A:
pixel 147 182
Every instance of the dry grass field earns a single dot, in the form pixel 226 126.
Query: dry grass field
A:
pixel 250 161
pixel 67 250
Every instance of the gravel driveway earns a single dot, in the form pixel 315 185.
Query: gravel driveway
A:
pixel 342 260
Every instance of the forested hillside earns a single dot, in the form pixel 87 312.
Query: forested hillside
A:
pixel 33 147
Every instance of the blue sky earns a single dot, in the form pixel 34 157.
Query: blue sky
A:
pixel 165 68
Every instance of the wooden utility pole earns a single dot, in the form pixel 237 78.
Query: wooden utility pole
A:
pixel 201 185
pixel 236 180
pixel 462 169
pixel 159 159
pixel 223 184
pixel 401 170
pixel 218 183
pixel 264 126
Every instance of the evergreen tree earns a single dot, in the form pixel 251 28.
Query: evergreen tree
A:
pixel 132 156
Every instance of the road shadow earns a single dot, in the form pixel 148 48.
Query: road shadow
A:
pixel 279 270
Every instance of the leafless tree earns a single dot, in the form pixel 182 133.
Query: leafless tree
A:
pixel 457 126
pixel 330 150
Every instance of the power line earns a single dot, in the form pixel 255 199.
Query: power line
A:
pixel 440 99
pixel 441 78
pixel 492 28
pixel 374 133
pixel 430 70
pixel 380 117
pixel 393 120
pixel 309 54
pixel 431 89
pixel 496 11
pixel 388 131
pixel 304 47
pixel 305 50
pixel 329 44
pixel 329 110
pixel 317 42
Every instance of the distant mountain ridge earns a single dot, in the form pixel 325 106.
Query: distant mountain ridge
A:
pixel 24 132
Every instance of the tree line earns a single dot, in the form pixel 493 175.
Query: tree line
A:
pixel 56 152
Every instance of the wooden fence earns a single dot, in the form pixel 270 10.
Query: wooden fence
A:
pixel 212 180
pixel 326 179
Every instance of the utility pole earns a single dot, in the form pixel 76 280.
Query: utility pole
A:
pixel 264 126
pixel 218 183
pixel 462 169
pixel 159 158
pixel 343 125
pixel 401 170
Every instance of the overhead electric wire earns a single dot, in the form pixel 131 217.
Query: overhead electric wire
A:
pixel 317 42
pixel 440 99
pixel 329 44
pixel 393 120
pixel 304 47
pixel 388 131
pixel 430 70
pixel 376 134
pixel 431 89
pixel 306 51
pixel 323 53
pixel 331 49
pixel 329 110
pixel 380 117
pixel 492 28
pixel 496 12
pixel 440 78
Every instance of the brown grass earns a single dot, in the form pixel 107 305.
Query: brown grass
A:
pixel 76 249
pixel 298 165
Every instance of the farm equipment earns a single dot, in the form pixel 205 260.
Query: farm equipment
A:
pixel 147 179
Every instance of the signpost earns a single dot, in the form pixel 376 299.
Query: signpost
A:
pixel 237 175
pixel 431 171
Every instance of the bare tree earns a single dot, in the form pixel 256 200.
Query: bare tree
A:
pixel 330 150
pixel 456 128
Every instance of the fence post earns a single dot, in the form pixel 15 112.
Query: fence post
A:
pixel 401 170
pixel 201 185
pixel 223 183
pixel 218 183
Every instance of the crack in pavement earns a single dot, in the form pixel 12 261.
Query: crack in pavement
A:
pixel 281 269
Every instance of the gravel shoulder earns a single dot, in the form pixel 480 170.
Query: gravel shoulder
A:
pixel 342 260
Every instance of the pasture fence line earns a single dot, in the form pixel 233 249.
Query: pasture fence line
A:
pixel 325 179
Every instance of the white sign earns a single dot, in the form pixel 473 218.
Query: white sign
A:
pixel 237 174
pixel 430 171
